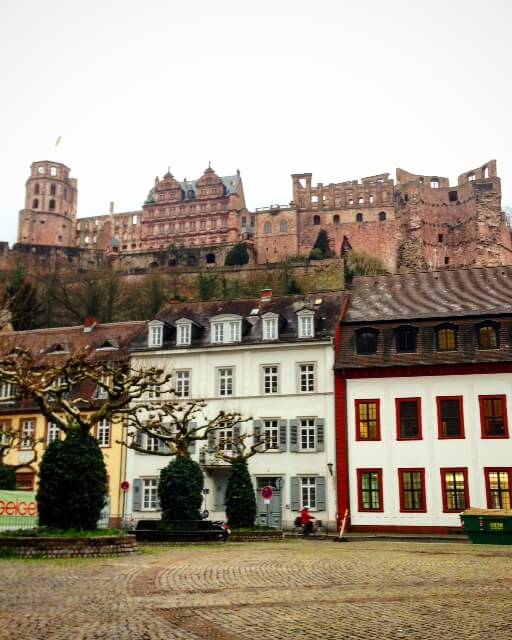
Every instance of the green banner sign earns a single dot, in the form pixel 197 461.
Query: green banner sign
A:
pixel 18 509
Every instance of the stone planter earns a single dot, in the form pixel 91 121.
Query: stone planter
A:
pixel 256 536
pixel 62 547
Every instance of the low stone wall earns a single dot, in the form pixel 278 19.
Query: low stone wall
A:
pixel 94 547
pixel 256 536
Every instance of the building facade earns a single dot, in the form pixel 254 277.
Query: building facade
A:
pixel 270 360
pixel 423 395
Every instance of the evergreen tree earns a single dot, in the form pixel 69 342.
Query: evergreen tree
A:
pixel 180 490
pixel 240 498
pixel 237 255
pixel 7 477
pixel 22 297
pixel 321 248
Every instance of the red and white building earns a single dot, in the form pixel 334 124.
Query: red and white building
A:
pixel 423 398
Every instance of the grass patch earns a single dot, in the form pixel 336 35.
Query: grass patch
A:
pixel 48 532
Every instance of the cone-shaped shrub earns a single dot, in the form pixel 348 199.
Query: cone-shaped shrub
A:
pixel 180 490
pixel 7 477
pixel 240 498
pixel 72 482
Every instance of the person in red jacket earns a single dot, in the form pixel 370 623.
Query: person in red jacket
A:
pixel 306 520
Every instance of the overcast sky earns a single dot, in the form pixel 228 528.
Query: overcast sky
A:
pixel 340 89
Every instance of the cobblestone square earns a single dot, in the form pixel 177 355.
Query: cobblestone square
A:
pixel 295 589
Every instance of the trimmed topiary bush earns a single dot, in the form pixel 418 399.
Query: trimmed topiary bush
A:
pixel 180 490
pixel 72 483
pixel 240 498
pixel 7 477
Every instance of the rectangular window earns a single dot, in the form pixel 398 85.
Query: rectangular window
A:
pixel 101 391
pixel 271 434
pixel 498 483
pixel 307 377
pixel 149 493
pixel 408 418
pixel 367 419
pixel 52 432
pixel 454 484
pixel 308 490
pixel 306 329
pixel 25 481
pixel 28 428
pixel 155 336
pixel 369 483
pixel 6 434
pixel 225 381
pixel 6 391
pixel 269 328
pixel 103 432
pixel 184 334
pixel 307 434
pixel 450 420
pixel 183 384
pixel 270 379
pixel 153 392
pixel 493 416
pixel 412 490
pixel 226 439
pixel 234 331
pixel 152 443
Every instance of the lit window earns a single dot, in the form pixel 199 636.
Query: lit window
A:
pixel 271 434
pixel 225 381
pixel 307 377
pixel 487 336
pixel 369 483
pixel 498 483
pixel 455 489
pixel 155 335
pixel 184 333
pixel 270 379
pixel 306 326
pixel 307 434
pixel 367 420
pixel 103 436
pixel 412 489
pixel 28 428
pixel 308 490
pixel 446 339
pixel 183 384
pixel 269 328
pixel 408 418
pixel 493 416
pixel 149 493
pixel 53 432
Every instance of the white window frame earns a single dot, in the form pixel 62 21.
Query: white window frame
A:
pixel 152 443
pixel 308 492
pixel 271 434
pixel 52 432
pixel 226 329
pixel 307 426
pixel 306 372
pixel 155 334
pixel 101 392
pixel 225 382
pixel 6 432
pixel 306 324
pixel 149 500
pixel 270 327
pixel 103 433
pixel 6 391
pixel 270 379
pixel 153 391
pixel 225 439
pixel 183 333
pixel 27 433
pixel 183 378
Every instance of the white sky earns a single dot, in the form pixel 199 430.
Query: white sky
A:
pixel 340 89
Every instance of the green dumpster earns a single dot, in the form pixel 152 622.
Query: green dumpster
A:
pixel 488 526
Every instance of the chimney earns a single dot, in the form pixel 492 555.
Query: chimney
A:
pixel 89 324
pixel 112 207
pixel 265 295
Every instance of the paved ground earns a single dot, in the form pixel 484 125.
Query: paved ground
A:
pixel 295 589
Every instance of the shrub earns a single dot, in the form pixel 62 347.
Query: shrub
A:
pixel 322 246
pixel 7 477
pixel 316 254
pixel 237 255
pixel 240 498
pixel 180 490
pixel 72 483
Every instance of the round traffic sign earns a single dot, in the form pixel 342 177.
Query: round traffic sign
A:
pixel 125 485
pixel 267 493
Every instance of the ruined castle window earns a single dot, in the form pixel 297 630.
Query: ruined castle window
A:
pixel 447 260
pixel 267 228
pixel 453 196
pixel 202 225
pixel 35 203
pixel 405 339
pixel 487 334
pixel 366 341
pixel 316 219
pixel 40 169
pixel 471 177
pixel 434 183
pixel 446 338
pixel 314 199
pixel 78 226
pixel 359 217
pixel 53 189
pixel 283 226
pixel 135 219
pixel 384 196
pixel 53 171
pixel 52 204
pixel 360 200
pixel 36 190
pixel 440 237
pixel 485 171
pixel 382 216
pixel 210 258
pixel 86 240
pixel 244 221
pixel 371 199
pixel 336 219
pixel 350 201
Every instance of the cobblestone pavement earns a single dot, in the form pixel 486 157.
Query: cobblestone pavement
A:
pixel 296 589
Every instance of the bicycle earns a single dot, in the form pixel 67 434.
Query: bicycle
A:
pixel 318 531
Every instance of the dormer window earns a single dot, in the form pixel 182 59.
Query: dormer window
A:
pixel 366 341
pixel 306 324
pixel 270 328
pixel 446 336
pixel 57 349
pixel 226 329
pixel 487 333
pixel 155 334
pixel 7 391
pixel 406 339
pixel 183 332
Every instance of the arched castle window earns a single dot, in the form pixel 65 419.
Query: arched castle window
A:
pixel 359 217
pixel 267 228
pixel 336 219
pixel 283 226
pixel 371 199
pixel 53 171
pixel 486 172
pixel 382 216
pixel 210 258
pixel 52 205
pixel 446 337
pixel 360 200
pixel 471 177
pixel 434 183
pixel 316 220
pixel 53 189
pixel 35 203
pixel 36 190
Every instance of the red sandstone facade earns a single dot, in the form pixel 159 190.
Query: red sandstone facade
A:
pixel 417 222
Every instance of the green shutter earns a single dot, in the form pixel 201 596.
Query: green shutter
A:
pixel 320 493
pixel 320 434
pixel 236 433
pixel 294 435
pixel 192 445
pixel 257 427
pixel 283 427
pixel 162 447
pixel 295 494
pixel 137 495
pixel 211 441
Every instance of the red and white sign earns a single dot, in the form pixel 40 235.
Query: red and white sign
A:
pixel 266 494
pixel 125 485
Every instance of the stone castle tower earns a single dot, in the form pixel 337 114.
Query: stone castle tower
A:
pixel 49 216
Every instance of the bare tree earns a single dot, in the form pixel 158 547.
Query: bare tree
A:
pixel 240 448
pixel 11 439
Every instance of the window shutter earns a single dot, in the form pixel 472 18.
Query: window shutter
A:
pixel 320 493
pixel 257 427
pixel 136 495
pixel 283 426
pixel 295 494
pixel 162 447
pixel 192 445
pixel 202 456
pixel 294 433
pixel 138 438
pixel 236 433
pixel 211 441
pixel 320 434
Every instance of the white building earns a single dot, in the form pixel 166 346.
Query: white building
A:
pixel 424 374
pixel 271 359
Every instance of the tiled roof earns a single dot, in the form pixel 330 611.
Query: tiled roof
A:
pixel 431 294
